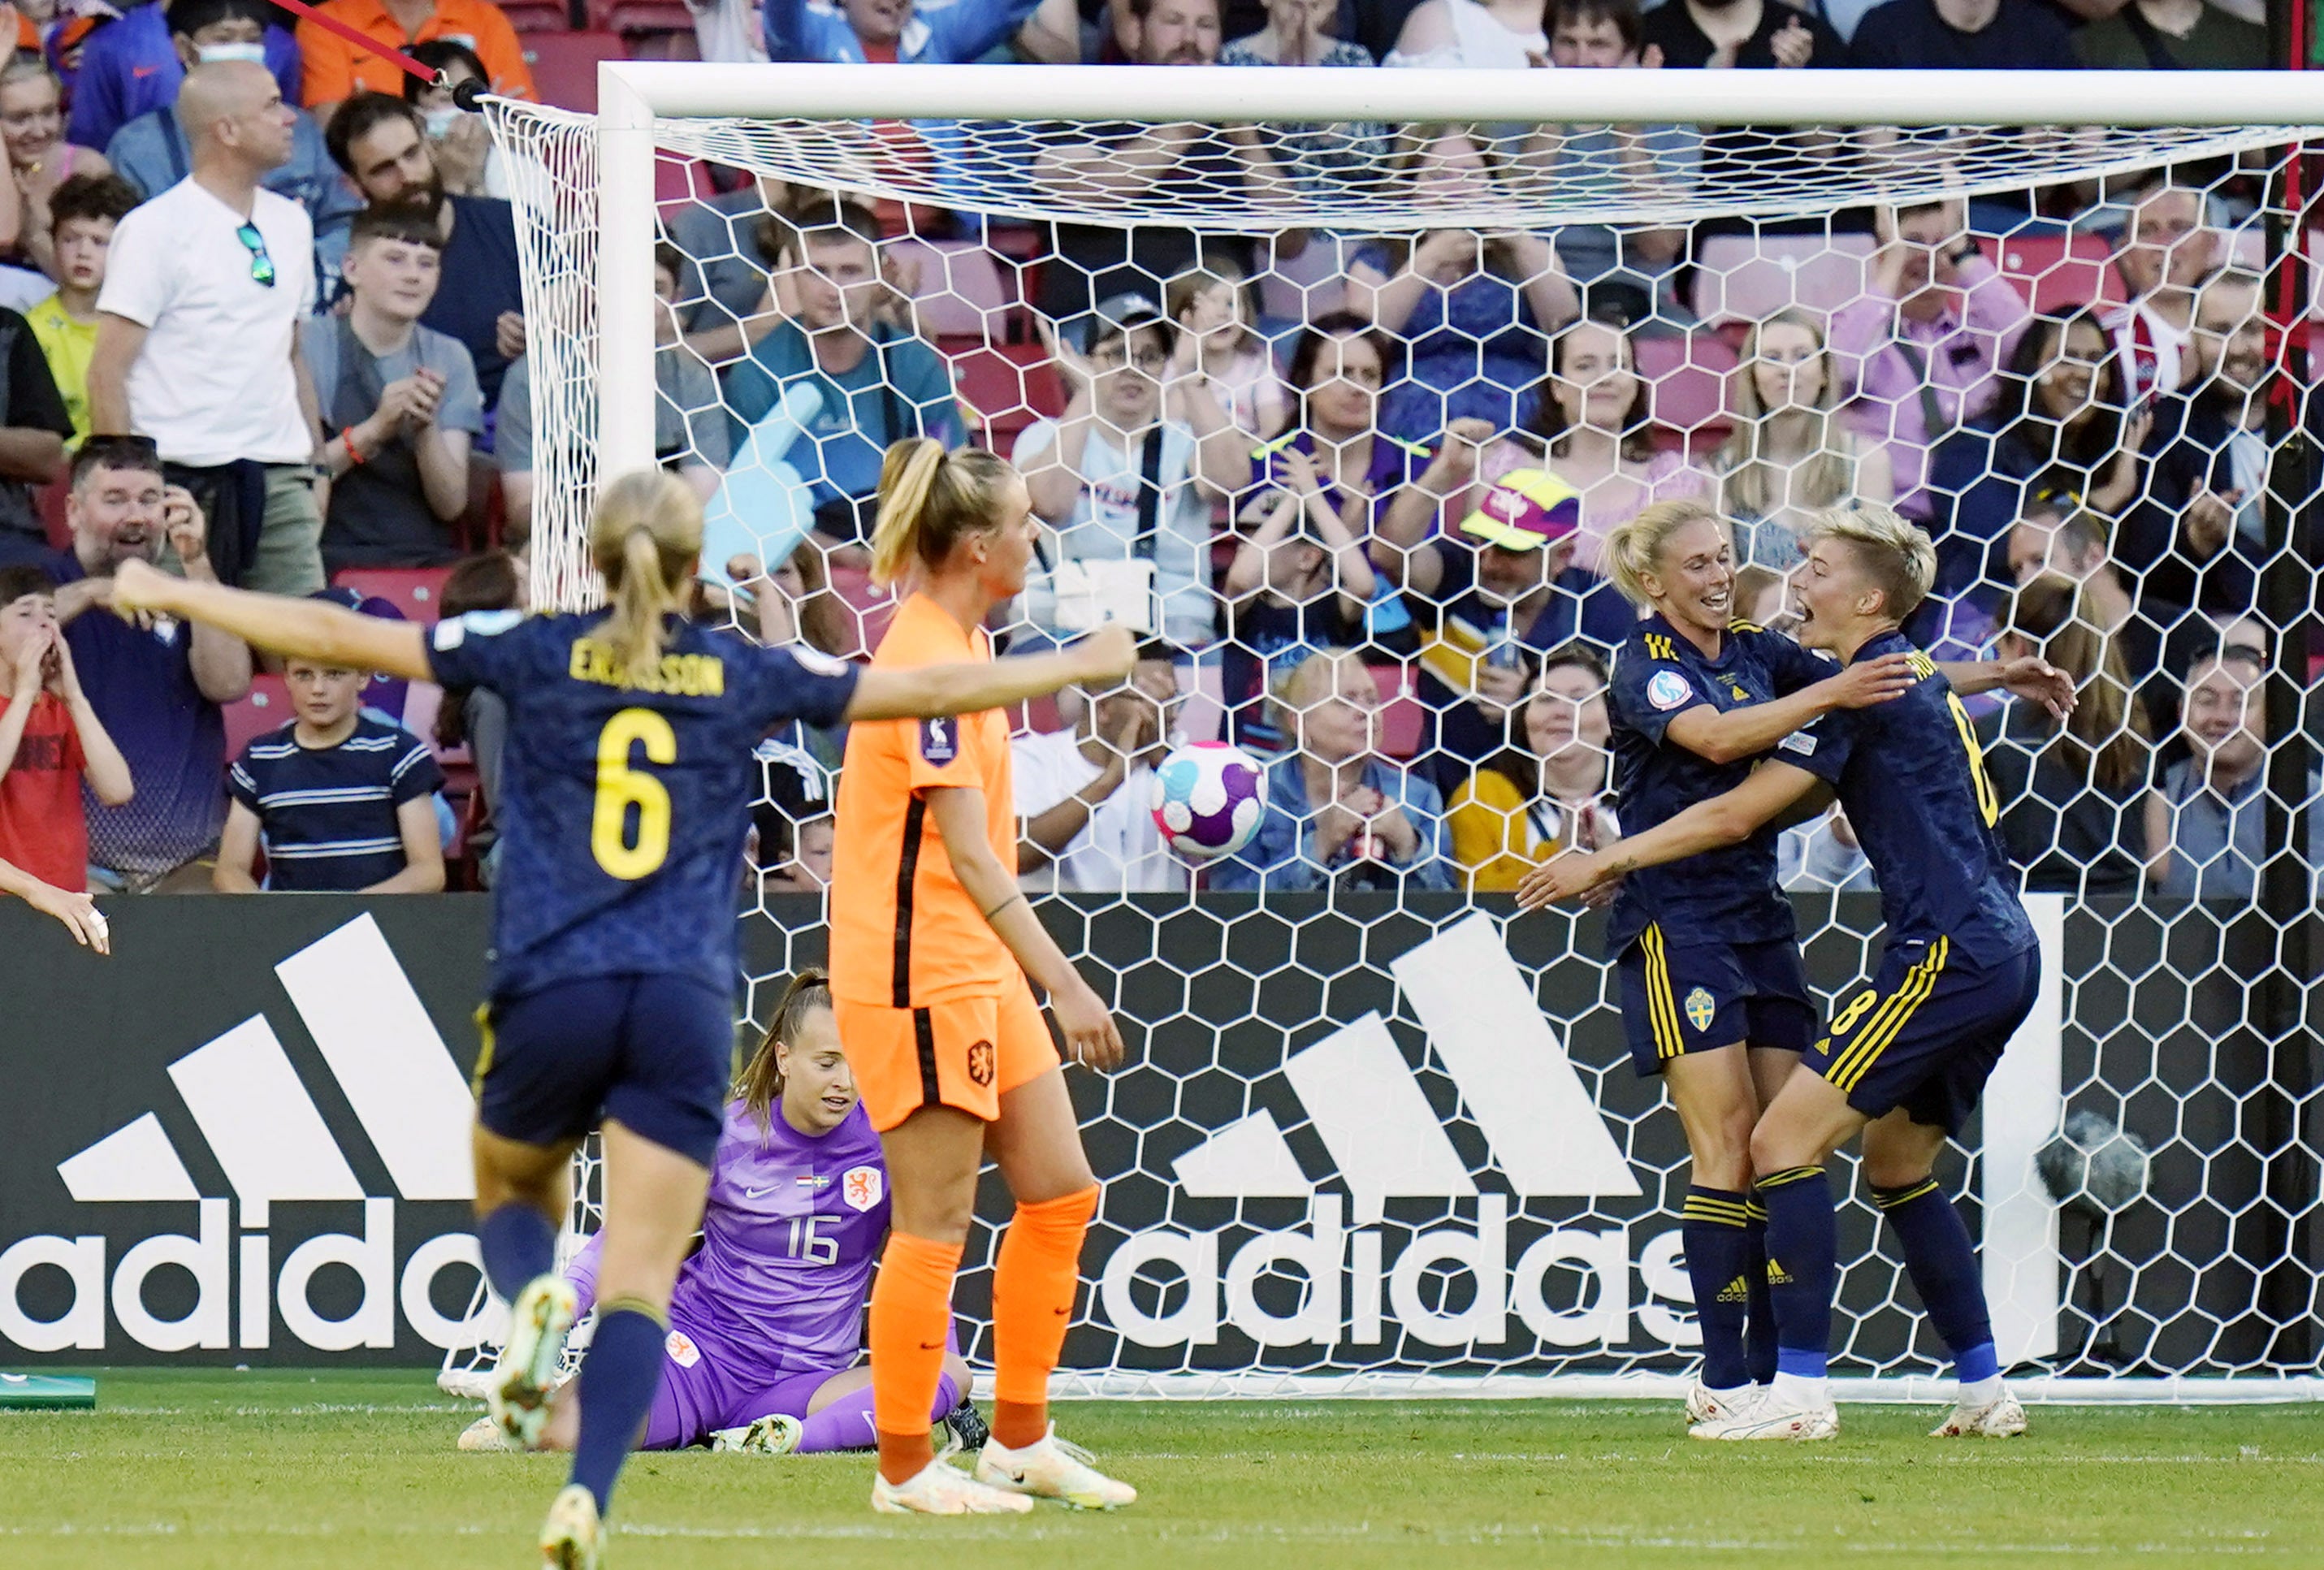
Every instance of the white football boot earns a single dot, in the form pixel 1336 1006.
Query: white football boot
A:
pixel 1999 1419
pixel 775 1435
pixel 1704 1404
pixel 1052 1469
pixel 939 1490
pixel 527 1373
pixel 1765 1418
pixel 573 1538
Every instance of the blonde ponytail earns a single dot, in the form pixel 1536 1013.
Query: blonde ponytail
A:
pixel 646 539
pixel 929 498
pixel 907 473
pixel 1634 548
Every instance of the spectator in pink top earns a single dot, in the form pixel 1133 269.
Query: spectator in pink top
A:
pixel 1594 432
pixel 1920 352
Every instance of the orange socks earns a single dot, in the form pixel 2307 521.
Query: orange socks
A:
pixel 911 1319
pixel 1033 1285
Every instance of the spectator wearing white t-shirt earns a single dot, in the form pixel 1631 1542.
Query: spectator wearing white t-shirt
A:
pixel 1084 794
pixel 1127 491
pixel 207 289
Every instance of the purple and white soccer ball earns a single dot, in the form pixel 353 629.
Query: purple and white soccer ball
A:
pixel 1208 799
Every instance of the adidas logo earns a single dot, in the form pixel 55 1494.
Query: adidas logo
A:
pixel 1516 1084
pixel 1738 1290
pixel 1776 1275
pixel 270 1140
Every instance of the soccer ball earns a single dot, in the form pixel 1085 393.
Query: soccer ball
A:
pixel 1208 798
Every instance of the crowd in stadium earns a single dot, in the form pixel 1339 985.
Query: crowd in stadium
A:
pixel 1359 486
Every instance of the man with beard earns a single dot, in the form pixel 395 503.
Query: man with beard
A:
pixel 2164 254
pixel 2211 456
pixel 156 686
pixel 381 142
pixel 1492 598
pixel 1116 167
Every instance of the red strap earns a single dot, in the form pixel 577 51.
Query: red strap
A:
pixel 329 23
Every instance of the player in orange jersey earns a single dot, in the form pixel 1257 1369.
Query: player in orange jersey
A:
pixel 932 944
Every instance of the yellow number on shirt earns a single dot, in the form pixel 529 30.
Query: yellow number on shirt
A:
pixel 1989 806
pixel 621 788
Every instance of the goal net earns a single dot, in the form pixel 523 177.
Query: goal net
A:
pixel 1379 1133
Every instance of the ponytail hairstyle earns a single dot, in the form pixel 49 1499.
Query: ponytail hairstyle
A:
pixel 761 1083
pixel 646 538
pixel 929 499
pixel 1634 548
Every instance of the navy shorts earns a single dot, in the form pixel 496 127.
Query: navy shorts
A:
pixel 1926 1033
pixel 652 1052
pixel 1694 997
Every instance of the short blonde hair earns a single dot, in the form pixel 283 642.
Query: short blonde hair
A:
pixel 1634 548
pixel 1894 554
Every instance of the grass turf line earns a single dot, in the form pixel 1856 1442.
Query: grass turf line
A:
pixel 351 1469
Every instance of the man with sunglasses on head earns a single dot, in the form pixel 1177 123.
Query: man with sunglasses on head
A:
pixel 207 289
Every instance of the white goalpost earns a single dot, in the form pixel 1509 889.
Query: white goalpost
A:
pixel 1315 1180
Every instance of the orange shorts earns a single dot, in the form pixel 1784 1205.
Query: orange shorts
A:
pixel 962 1052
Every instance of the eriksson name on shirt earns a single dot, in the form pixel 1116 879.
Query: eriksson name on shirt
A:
pixel 679 675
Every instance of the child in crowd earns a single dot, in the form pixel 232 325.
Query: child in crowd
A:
pixel 50 739
pixel 82 213
pixel 1218 341
pixel 341 801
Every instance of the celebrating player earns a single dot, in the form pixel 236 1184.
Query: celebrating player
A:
pixel 1906 1059
pixel 628 774
pixel 931 946
pixel 1714 996
pixel 765 1321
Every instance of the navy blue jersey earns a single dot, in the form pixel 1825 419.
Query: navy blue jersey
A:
pixel 327 814
pixel 1910 777
pixel 1725 896
pixel 623 810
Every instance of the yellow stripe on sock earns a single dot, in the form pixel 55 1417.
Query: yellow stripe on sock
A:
pixel 1788 1174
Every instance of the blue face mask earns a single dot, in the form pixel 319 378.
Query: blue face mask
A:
pixel 212 53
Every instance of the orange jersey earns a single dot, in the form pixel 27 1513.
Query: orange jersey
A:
pixel 904 933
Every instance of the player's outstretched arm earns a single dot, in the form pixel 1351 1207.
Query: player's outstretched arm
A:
pixel 1723 820
pixel 1091 1036
pixel 934 691
pixel 2032 678
pixel 1748 731
pixel 77 911
pixel 301 629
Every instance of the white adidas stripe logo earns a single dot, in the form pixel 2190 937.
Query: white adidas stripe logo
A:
pixel 270 1140
pixel 1516 1081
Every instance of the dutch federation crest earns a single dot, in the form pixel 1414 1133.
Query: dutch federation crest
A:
pixel 1699 1008
pixel 861 1186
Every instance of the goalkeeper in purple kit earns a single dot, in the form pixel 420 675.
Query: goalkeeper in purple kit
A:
pixel 766 1321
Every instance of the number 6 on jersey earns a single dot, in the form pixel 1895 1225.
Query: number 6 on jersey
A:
pixel 621 788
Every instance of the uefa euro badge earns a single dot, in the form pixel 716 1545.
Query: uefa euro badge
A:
pixel 861 1186
pixel 1667 689
pixel 1699 1008
pixel 939 740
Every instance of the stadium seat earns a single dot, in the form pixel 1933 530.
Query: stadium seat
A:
pixel 532 16
pixel 565 65
pixel 961 295
pixel 1404 719
pixel 267 706
pixel 50 501
pixel 640 18
pixel 413 590
pixel 1005 386
pixel 1686 377
pixel 868 610
pixel 1749 278
pixel 2057 273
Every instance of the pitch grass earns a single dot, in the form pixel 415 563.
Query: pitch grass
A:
pixel 344 1470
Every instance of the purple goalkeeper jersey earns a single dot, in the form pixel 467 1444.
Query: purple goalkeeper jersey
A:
pixel 793 1225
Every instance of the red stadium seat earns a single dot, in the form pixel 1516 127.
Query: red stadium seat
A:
pixel 416 591
pixel 565 65
pixel 1749 278
pixel 868 610
pixel 635 18
pixel 1006 387
pixel 1686 380
pixel 2057 273
pixel 961 293
pixel 1404 719
pixel 51 503
pixel 267 706
pixel 531 17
